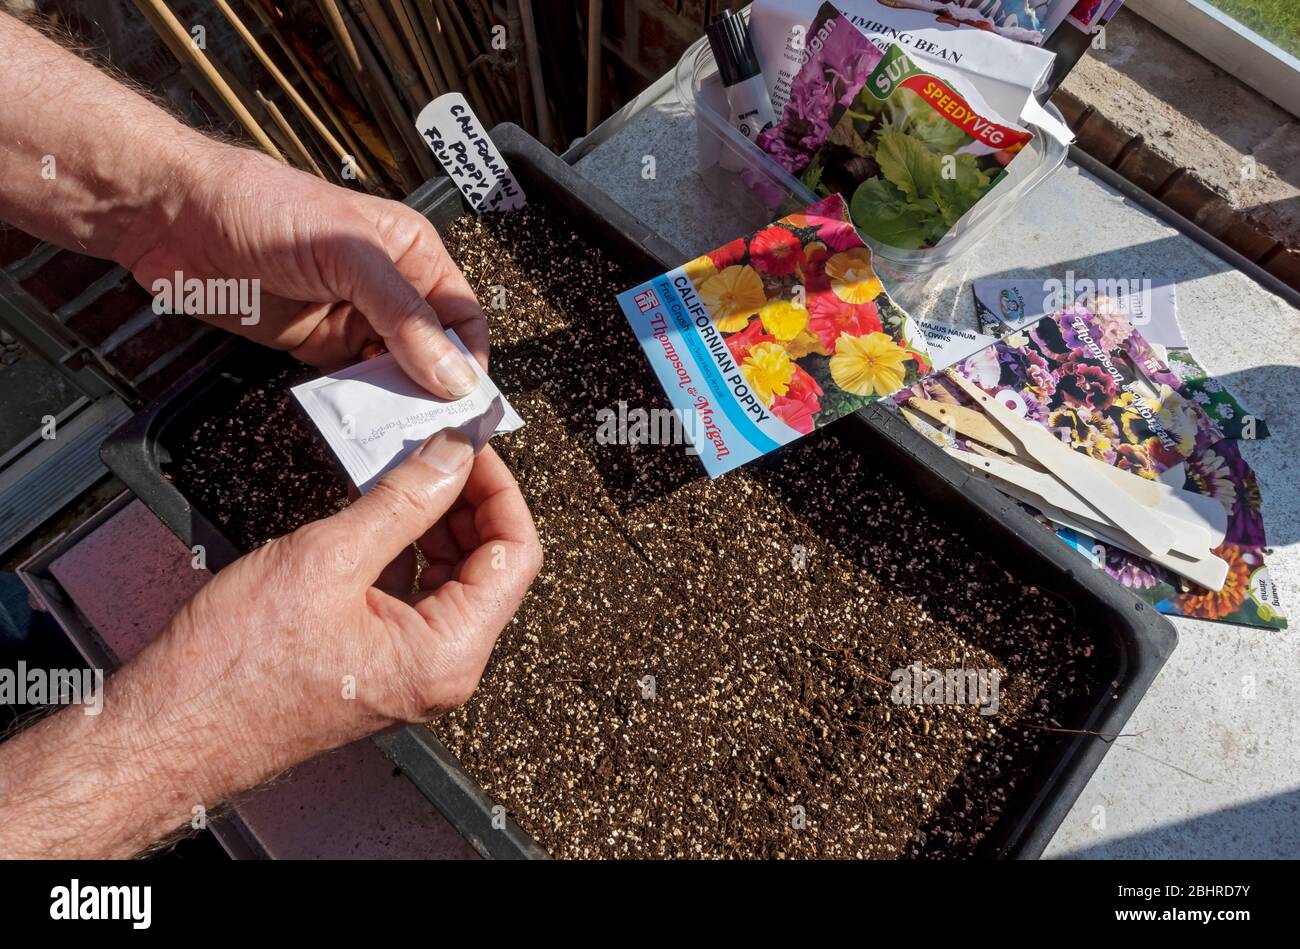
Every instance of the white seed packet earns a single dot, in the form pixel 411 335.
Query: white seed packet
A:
pixel 373 414
pixel 950 344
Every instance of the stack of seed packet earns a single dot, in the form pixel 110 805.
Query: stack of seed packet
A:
pixel 913 152
pixel 1089 376
pixel 1004 305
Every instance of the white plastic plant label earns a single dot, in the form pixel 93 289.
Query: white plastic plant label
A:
pixel 469 156
pixel 373 414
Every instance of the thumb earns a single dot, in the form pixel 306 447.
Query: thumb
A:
pixel 408 324
pixel 407 501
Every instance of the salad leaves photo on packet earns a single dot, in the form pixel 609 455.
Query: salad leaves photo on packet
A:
pixel 910 153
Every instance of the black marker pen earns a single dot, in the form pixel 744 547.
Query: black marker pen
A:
pixel 751 108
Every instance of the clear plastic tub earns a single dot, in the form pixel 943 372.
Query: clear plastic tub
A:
pixel 760 189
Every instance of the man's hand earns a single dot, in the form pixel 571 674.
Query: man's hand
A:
pixel 89 165
pixel 312 641
pixel 339 271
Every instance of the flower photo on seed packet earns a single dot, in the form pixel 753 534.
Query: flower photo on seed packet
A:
pixel 1087 375
pixel 806 318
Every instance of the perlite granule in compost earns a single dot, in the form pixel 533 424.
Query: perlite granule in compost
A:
pixel 703 668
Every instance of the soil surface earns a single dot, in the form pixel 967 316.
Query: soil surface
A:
pixel 258 468
pixel 703 668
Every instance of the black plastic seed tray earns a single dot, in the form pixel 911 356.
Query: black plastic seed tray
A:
pixel 1133 641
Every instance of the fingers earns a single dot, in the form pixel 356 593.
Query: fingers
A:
pixel 408 324
pixel 495 574
pixel 457 306
pixel 406 502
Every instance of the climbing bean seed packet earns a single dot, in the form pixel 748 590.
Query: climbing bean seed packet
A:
pixel 911 151
pixel 1087 375
pixel 773 335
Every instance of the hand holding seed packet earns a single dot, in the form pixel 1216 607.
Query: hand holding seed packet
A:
pixel 774 335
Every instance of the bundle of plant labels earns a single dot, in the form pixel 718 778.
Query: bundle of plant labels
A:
pixel 774 335
pixel 911 150
pixel 1129 430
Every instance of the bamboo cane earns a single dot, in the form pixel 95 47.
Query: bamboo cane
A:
pixel 402 119
pixel 515 30
pixel 381 98
pixel 410 30
pixel 182 43
pixel 595 10
pixel 358 132
pixel 540 104
pixel 485 18
pixel 442 49
pixel 191 73
pixel 296 146
pixel 424 21
pixel 390 44
pixel 287 87
pixel 456 47
pixel 334 20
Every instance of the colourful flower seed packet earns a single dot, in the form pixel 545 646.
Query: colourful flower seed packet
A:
pixel 1219 404
pixel 1003 305
pixel 774 335
pixel 1089 376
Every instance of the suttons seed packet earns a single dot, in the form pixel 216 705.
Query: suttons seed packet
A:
pixel 774 335
pixel 1087 375
pixel 911 151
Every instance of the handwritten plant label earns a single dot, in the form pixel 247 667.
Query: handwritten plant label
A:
pixel 469 156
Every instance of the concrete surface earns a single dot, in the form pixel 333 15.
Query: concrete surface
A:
pixel 128 578
pixel 1215 771
pixel 1195 116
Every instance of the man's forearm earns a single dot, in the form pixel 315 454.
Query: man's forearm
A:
pixel 94 786
pixel 168 739
pixel 85 162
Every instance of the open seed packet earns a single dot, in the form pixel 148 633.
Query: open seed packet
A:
pixel 1089 377
pixel 774 335
pixel 912 152
pixel 373 414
